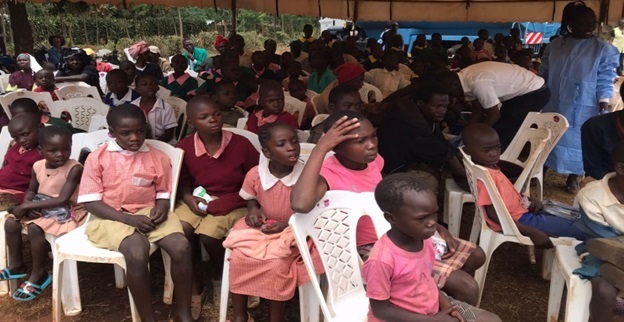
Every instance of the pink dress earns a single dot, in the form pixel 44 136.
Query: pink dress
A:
pixel 267 266
pixel 51 181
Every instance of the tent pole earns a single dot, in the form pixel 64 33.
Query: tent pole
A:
pixel 180 22
pixel 355 12
pixel 234 16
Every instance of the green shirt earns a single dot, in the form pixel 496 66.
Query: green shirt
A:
pixel 318 83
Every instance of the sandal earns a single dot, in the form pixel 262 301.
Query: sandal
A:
pixel 6 275
pixel 28 291
pixel 197 303
pixel 253 302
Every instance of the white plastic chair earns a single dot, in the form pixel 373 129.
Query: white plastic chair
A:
pixel 240 124
pixel 310 93
pixel 200 81
pixel 251 136
pixel 4 81
pixel 557 124
pixel 319 119
pixel 76 91
pixel 34 64
pixel 74 246
pixel 179 107
pixel 163 92
pixel 81 110
pixel 303 135
pixel 98 122
pixel 43 98
pixel 103 84
pixel 579 290
pixel 65 84
pixel 294 106
pixel 455 197
pixel 128 56
pixel 5 144
pixel 370 93
pixel 490 240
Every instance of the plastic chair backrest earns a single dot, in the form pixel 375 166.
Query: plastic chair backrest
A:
pixel 65 84
pixel 294 106
pixel 306 150
pixel 98 122
pixel 475 173
pixel 370 94
pixel 251 136
pixel 555 122
pixel 538 139
pixel 81 110
pixel 103 84
pixel 303 135
pixel 240 124
pixel 179 108
pixel 319 119
pixel 34 64
pixel 163 92
pixel 43 100
pixel 240 109
pixel 175 155
pixel 5 143
pixel 76 91
pixel 4 81
pixel 368 202
pixel 331 226
pixel 310 93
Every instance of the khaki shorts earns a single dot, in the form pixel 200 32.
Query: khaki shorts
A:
pixel 211 226
pixel 109 234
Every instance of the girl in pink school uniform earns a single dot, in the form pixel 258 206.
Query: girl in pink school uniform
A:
pixel 272 101
pixel 50 206
pixel 276 273
pixel 356 166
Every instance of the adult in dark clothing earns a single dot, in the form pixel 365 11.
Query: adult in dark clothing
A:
pixel 410 138
pixel 78 68
pixel 600 135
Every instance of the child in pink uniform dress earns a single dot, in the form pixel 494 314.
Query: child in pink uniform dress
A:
pixel 265 261
pixel 50 207
pixel 398 273
pixel 272 101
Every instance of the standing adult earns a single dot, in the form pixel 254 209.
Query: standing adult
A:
pixel 579 69
pixel 618 42
pixel 501 95
pixel 195 56
pixel 55 53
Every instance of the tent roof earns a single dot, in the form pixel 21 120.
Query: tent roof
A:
pixel 400 10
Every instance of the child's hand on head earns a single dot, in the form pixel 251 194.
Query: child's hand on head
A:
pixel 255 218
pixel 274 228
pixel 338 133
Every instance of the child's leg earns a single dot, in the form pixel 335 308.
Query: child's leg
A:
pixel 39 253
pixel 189 233
pixel 214 248
pixel 239 305
pixel 486 316
pixel 177 246
pixel 473 314
pixel 463 287
pixel 602 300
pixel 474 261
pixel 13 232
pixel 552 225
pixel 135 249
pixel 277 310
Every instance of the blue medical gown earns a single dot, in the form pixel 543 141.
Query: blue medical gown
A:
pixel 579 72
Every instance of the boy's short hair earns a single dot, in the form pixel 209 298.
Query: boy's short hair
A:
pixel 27 105
pixel 264 133
pixel 43 71
pixel 196 101
pixel 296 82
pixel 390 191
pixel 220 85
pixel 124 111
pixel 341 91
pixel 141 76
pixel 48 132
pixel 117 73
pixel 334 117
pixel 270 85
pixel 475 130
pixel 426 90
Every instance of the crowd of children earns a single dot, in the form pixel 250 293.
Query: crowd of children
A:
pixel 231 196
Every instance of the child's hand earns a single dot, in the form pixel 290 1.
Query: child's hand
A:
pixel 458 316
pixel 19 212
pixel 274 228
pixel 449 239
pixel 193 203
pixel 34 214
pixel 158 215
pixel 541 240
pixel 255 218
pixel 338 134
pixel 536 206
pixel 140 222
pixel 446 315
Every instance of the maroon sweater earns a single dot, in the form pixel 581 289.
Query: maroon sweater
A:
pixel 17 169
pixel 284 117
pixel 222 177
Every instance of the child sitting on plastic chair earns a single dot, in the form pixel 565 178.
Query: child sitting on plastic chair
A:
pixel 272 102
pixel 224 94
pixel 398 273
pixel 50 207
pixel 277 272
pixel 44 79
pixel 180 83
pixel 119 91
pixel 483 145
pixel 126 185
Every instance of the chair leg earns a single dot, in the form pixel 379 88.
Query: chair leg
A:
pixel 309 308
pixel 4 286
pixel 225 287
pixel 540 187
pixel 168 292
pixel 57 282
pixel 489 242
pixel 476 228
pixel 120 276
pixel 70 294
pixel 532 254
pixel 446 210
pixel 577 301
pixel 456 206
pixel 548 257
pixel 557 281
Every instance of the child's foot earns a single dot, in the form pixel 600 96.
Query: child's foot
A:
pixel 28 291
pixel 572 184
pixel 197 303
pixel 13 274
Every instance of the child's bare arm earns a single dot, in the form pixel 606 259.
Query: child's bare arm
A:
pixel 168 135
pixel 538 237
pixel 254 217
pixel 384 310
pixel 311 186
pixel 104 211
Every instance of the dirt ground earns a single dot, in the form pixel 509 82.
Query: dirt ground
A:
pixel 514 289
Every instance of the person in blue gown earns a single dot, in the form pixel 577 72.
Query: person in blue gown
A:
pixel 579 70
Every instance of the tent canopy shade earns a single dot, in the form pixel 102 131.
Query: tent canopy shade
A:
pixel 400 10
